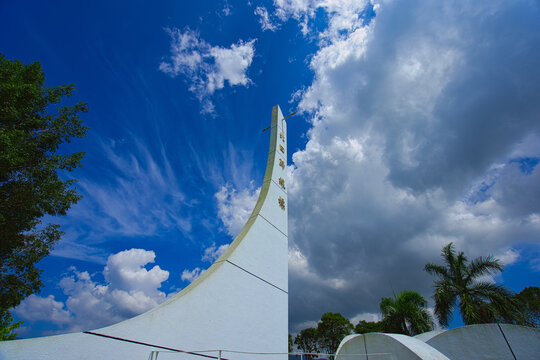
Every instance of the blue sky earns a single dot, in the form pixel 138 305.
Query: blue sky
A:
pixel 418 125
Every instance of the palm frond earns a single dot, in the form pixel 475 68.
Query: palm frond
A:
pixel 444 305
pixel 448 253
pixel 434 269
pixel 413 298
pixel 489 290
pixel 469 310
pixel 387 306
pixel 457 283
pixel 406 313
pixel 484 265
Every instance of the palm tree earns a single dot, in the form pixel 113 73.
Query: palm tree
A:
pixel 457 283
pixel 406 314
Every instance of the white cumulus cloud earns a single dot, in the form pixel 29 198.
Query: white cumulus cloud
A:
pixel 344 15
pixel 39 308
pixel 125 271
pixel 213 252
pixel 234 207
pixel 191 275
pixel 264 19
pixel 207 67
pixel 424 124
pixel 129 289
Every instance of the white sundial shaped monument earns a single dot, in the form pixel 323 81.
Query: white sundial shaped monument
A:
pixel 239 305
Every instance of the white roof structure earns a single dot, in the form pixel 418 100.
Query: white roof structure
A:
pixel 479 342
pixel 239 305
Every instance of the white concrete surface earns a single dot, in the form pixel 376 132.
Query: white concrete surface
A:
pixel 428 335
pixel 479 342
pixel 240 303
pixel 524 341
pixel 381 346
pixel 489 341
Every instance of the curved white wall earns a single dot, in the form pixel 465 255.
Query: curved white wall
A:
pixel 479 342
pixel 381 346
pixel 240 303
pixel 489 341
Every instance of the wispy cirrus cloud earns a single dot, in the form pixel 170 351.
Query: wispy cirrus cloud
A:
pixel 137 195
pixel 207 67
pixel 129 198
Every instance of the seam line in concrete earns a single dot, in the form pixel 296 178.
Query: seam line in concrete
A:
pixel 279 187
pixel 507 343
pixel 274 226
pixel 258 277
pixel 365 346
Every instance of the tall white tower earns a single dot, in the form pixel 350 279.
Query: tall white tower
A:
pixel 239 305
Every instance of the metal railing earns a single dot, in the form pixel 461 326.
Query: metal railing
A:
pixel 303 356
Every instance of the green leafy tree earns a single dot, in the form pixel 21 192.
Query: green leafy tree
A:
pixel 332 328
pixel 290 345
pixel 8 327
pixel 528 301
pixel 406 314
pixel 457 284
pixel 364 327
pixel 33 126
pixel 307 341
